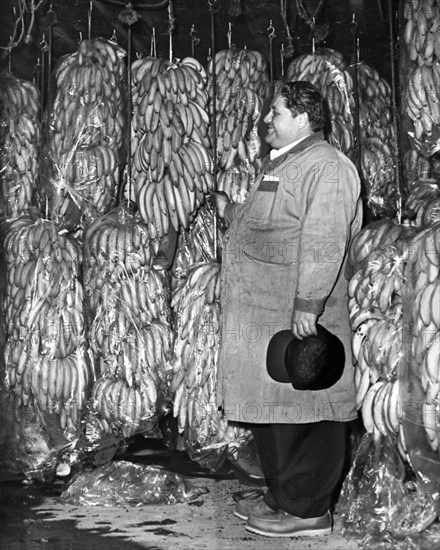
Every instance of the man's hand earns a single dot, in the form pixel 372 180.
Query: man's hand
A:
pixel 221 199
pixel 304 324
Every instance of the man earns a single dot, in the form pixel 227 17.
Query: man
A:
pixel 284 267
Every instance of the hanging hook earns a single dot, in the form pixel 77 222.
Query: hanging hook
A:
pixel 271 30
pixel 43 44
pixel 113 37
pixel 229 35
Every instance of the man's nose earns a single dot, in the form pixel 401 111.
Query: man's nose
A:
pixel 268 118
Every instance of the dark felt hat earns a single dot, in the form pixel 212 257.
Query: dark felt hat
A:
pixel 313 363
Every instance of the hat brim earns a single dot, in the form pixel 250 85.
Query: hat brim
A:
pixel 276 355
pixel 279 350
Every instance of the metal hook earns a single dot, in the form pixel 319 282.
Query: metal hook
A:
pixel 271 28
pixel 353 23
pixel 113 37
pixel 43 43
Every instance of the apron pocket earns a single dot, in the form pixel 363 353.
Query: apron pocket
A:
pixel 262 203
pixel 270 286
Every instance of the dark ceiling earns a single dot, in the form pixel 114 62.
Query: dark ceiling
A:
pixel 250 20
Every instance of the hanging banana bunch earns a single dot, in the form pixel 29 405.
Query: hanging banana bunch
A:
pixel 47 365
pixel 328 71
pixel 129 329
pixel 172 166
pixel 241 86
pixel 424 284
pixel 85 132
pixel 194 246
pixel 208 436
pixel 377 135
pixel 422 203
pixel 421 91
pixel 378 255
pixel 19 145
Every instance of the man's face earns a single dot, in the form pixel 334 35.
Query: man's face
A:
pixel 283 127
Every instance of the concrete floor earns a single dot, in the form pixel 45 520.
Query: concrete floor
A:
pixel 32 518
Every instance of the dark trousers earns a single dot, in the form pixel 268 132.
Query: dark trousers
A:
pixel 302 464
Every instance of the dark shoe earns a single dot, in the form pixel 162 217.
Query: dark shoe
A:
pixel 255 506
pixel 282 524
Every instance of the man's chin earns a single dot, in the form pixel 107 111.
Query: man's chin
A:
pixel 269 140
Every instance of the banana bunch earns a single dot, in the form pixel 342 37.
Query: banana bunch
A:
pixel 424 277
pixel 197 311
pixel 241 86
pixel 377 136
pixel 382 411
pixel 122 408
pixel 20 138
pixel 376 346
pixel 58 385
pixel 195 245
pixel 208 436
pixel 377 255
pixel 422 204
pixel 118 247
pixel 46 362
pixel 416 166
pixel 421 89
pixel 327 71
pixel 43 294
pixel 129 327
pixel 422 99
pixel 422 30
pixel 172 166
pixel 86 124
pixel 237 180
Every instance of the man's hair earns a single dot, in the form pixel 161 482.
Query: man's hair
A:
pixel 302 97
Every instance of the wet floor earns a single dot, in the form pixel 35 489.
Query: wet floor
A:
pixel 33 518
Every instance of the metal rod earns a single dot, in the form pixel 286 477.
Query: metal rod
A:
pixel 282 59
pixel 214 121
pixel 130 112
pixel 271 30
pixel 357 126
pixel 49 62
pixel 90 20
pixel 43 45
pixel 396 163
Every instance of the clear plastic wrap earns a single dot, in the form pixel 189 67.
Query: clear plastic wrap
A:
pixel 122 483
pixel 420 376
pixel 129 327
pixel 420 75
pixel 20 141
pixel 85 133
pixel 381 507
pixel 47 367
pixel 422 205
pixel 378 256
pixel 195 245
pixel 377 141
pixel 208 437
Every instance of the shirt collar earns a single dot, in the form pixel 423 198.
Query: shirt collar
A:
pixel 275 153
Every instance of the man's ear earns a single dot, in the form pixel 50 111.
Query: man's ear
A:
pixel 303 120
